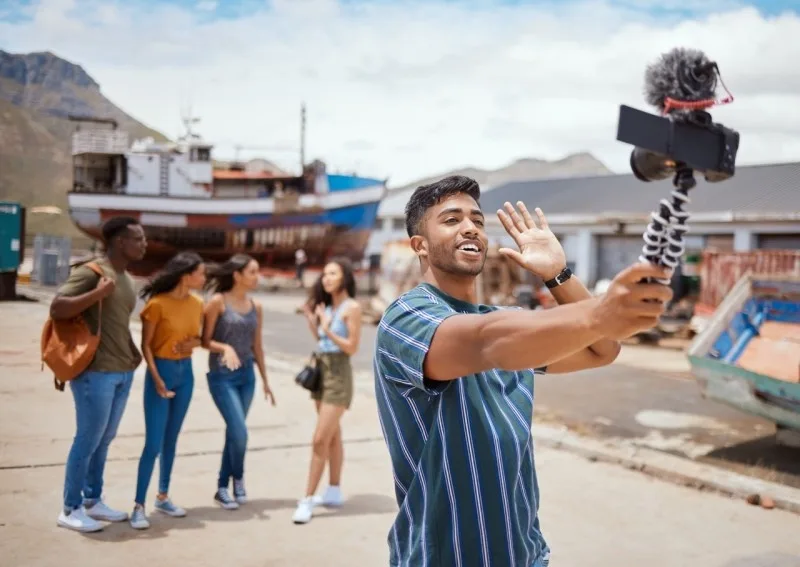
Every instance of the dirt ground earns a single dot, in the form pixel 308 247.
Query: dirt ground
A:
pixel 592 513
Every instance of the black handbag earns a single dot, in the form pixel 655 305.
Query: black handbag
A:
pixel 309 376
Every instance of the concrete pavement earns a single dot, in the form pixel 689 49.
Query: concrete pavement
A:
pixel 647 399
pixel 592 513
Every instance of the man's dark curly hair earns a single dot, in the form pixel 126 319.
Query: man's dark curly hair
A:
pixel 116 226
pixel 426 196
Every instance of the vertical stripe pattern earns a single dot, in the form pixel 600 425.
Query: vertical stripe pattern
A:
pixel 461 451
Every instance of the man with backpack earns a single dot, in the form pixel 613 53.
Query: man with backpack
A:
pixel 100 295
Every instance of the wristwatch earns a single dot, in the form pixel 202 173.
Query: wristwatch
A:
pixel 562 277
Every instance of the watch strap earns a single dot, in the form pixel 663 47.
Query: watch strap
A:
pixel 562 277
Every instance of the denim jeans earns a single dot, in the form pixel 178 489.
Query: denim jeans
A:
pixel 163 419
pixel 232 392
pixel 100 399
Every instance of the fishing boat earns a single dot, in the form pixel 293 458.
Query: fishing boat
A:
pixel 184 202
pixel 748 355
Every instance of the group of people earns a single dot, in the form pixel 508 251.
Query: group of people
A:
pixel 176 320
pixel 454 379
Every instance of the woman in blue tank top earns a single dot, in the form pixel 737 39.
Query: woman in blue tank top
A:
pixel 232 334
pixel 334 318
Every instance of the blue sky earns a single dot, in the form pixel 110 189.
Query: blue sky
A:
pixel 668 8
pixel 402 89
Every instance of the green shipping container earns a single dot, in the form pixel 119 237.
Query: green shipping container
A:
pixel 12 226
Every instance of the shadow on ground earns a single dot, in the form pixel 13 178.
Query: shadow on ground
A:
pixel 360 505
pixel 196 518
pixel 762 457
pixel 255 509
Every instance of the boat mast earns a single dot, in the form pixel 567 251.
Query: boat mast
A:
pixel 188 119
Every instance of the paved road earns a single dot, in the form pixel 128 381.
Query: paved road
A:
pixel 649 398
pixel 592 513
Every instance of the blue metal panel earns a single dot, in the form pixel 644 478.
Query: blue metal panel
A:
pixel 732 342
pixel 751 330
pixel 359 217
pixel 350 182
pixel 356 217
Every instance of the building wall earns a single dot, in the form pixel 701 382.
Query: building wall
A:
pixel 594 252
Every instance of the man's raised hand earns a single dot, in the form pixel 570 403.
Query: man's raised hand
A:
pixel 630 305
pixel 540 252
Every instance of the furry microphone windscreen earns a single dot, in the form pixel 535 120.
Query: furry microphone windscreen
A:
pixel 682 74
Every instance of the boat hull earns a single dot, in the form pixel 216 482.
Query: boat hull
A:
pixel 324 226
pixel 751 383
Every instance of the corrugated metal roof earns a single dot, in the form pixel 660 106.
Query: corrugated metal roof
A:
pixel 754 189
pixel 773 188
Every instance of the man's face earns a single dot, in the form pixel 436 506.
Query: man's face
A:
pixel 454 239
pixel 133 243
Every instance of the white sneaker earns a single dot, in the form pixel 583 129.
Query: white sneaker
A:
pixel 168 508
pixel 223 498
pixel 305 509
pixel 239 492
pixel 78 520
pixel 139 519
pixel 331 497
pixel 100 511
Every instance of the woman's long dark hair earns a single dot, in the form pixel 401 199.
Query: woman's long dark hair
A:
pixel 318 295
pixel 220 276
pixel 170 276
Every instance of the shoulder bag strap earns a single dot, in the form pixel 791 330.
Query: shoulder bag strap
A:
pixel 101 274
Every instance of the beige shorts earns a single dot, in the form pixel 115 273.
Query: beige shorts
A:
pixel 337 379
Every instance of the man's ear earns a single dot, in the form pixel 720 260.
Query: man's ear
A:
pixel 419 245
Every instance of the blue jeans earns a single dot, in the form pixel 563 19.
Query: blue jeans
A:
pixel 232 392
pixel 163 419
pixel 100 399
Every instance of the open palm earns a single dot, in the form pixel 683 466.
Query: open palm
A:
pixel 539 252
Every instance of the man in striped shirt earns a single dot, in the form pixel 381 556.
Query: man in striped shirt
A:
pixel 454 380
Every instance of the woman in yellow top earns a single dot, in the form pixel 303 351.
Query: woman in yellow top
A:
pixel 171 323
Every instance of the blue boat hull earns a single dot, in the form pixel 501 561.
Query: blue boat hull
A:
pixel 716 353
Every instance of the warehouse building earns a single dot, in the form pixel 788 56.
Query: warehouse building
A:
pixel 600 220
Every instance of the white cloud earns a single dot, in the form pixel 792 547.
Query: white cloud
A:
pixel 402 89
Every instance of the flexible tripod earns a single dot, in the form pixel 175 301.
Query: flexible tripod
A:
pixel 663 236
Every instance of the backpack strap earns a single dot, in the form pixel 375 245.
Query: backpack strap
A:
pixel 101 274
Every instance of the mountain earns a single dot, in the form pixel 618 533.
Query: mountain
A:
pixel 574 165
pixel 38 92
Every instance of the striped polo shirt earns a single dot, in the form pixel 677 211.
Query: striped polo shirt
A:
pixel 461 450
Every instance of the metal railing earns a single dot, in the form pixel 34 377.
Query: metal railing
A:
pixel 99 142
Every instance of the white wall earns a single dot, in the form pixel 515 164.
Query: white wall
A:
pixel 200 171
pixel 181 181
pixel 143 174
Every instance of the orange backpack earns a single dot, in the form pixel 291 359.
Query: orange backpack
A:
pixel 68 345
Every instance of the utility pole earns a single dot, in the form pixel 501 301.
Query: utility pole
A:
pixel 302 137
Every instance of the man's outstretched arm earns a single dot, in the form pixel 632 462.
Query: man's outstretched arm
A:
pixel 600 353
pixel 517 340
